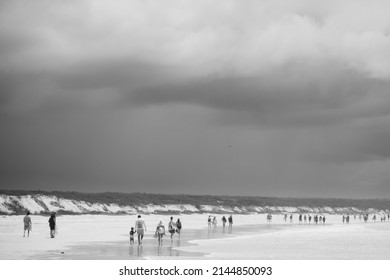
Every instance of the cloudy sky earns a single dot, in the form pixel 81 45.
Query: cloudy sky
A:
pixel 267 98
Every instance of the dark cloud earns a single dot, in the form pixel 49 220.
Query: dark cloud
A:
pixel 262 98
pixel 295 96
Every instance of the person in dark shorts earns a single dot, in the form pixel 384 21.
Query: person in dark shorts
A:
pixel 171 227
pixel 52 225
pixel 178 226
pixel 223 221
pixel 230 219
pixel 132 232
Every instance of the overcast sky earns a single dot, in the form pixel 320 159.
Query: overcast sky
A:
pixel 266 98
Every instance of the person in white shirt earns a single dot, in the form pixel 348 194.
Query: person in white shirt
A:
pixel 140 228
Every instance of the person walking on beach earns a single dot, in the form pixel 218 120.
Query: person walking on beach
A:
pixel 178 226
pixel 323 220
pixel 160 232
pixel 230 219
pixel 141 228
pixel 304 219
pixel 300 218
pixel 309 218
pixel 27 224
pixel 215 222
pixel 52 225
pixel 291 218
pixel 223 221
pixel 285 217
pixel 209 221
pixel 132 232
pixel 171 227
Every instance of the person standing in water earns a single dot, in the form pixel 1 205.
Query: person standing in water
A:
pixel 215 222
pixel 223 221
pixel 141 228
pixel 160 232
pixel 209 221
pixel 132 232
pixel 178 226
pixel 171 227
pixel 52 225
pixel 27 224
pixel 230 219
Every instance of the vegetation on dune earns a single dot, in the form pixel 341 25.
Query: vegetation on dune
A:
pixel 131 199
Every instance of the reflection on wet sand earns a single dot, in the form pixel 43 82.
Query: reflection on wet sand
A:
pixel 150 248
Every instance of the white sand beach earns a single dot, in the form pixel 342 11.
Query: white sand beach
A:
pixel 106 237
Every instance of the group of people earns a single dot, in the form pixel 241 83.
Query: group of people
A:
pixel 175 227
pixel 306 218
pixel 212 221
pixel 140 228
pixel 365 217
pixel 28 224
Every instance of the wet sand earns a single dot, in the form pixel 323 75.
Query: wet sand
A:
pixel 149 249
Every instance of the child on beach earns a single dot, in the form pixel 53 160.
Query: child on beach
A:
pixel 132 232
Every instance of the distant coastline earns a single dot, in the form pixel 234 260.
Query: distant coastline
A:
pixel 14 202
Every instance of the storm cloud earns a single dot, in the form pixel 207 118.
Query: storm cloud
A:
pixel 237 97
